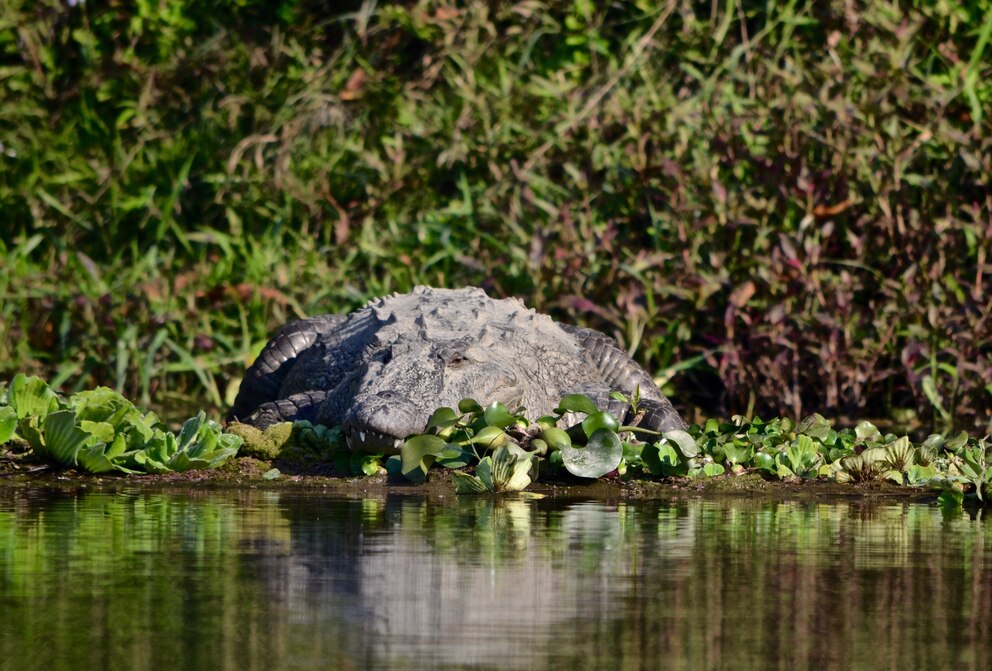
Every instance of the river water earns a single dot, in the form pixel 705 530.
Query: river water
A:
pixel 250 579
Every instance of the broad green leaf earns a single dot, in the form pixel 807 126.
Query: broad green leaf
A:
pixel 600 419
pixel 8 423
pixel 815 426
pixel 513 469
pixel 599 457
pixel 31 397
pixel 30 429
pixel 490 437
pixel 442 418
pixel 469 406
pixel 365 464
pixel 576 403
pixel 484 471
pixel 683 442
pixel 93 458
pixel 867 432
pixel 497 415
pixel 468 484
pixel 556 438
pixel 454 456
pixel 736 455
pixel 101 405
pixel 271 474
pixel 418 453
pixel 190 428
pixel 102 431
pixel 957 442
pixel 712 470
pixel 920 475
pixel 62 437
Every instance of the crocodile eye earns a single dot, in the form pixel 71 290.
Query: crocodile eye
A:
pixel 457 360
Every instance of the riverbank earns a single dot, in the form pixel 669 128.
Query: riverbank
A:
pixel 248 473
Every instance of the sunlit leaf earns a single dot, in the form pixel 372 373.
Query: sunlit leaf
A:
pixel 576 403
pixel 497 415
pixel 600 456
pixel 31 396
pixel 683 442
pixel 8 423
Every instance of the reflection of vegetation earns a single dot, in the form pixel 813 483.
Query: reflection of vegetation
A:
pixel 242 580
pixel 127 580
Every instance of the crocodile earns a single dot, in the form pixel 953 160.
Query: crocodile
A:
pixel 381 371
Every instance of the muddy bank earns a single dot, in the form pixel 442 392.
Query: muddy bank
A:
pixel 250 473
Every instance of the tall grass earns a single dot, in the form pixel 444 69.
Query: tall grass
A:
pixel 779 207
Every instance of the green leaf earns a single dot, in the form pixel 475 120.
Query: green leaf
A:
pixel 454 456
pixel 189 430
pixel 31 397
pixel 816 426
pixel 513 469
pixel 418 454
pixel 556 438
pixel 576 403
pixel 599 457
pixel 63 438
pixel 442 419
pixel 100 430
pixel 362 463
pixel 468 484
pixel 920 475
pixel 765 461
pixel 498 416
pixel 712 470
pixel 469 406
pixel 484 471
pixel 683 442
pixel 736 455
pixel 867 432
pixel 93 458
pixel 271 474
pixel 663 459
pixel 490 437
pixel 600 419
pixel 957 442
pixel 8 423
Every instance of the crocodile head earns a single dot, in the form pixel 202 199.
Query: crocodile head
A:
pixel 407 378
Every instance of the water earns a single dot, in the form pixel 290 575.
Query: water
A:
pixel 277 580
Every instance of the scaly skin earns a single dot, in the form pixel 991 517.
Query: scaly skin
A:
pixel 381 371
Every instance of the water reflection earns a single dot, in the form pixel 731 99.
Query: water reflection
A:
pixel 267 580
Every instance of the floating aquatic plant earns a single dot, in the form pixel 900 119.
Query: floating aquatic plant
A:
pixel 100 431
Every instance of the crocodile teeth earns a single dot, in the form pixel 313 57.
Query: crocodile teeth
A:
pixel 373 441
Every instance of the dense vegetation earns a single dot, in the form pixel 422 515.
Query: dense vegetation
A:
pixel 778 207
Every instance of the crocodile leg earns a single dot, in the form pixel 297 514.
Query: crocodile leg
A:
pixel 295 408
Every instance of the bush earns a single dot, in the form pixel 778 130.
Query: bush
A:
pixel 778 208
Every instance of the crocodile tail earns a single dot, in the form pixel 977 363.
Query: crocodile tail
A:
pixel 263 380
pixel 619 371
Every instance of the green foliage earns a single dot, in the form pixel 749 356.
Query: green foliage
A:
pixel 778 449
pixel 508 469
pixel 780 226
pixel 101 431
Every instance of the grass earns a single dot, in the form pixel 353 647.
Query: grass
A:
pixel 780 208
